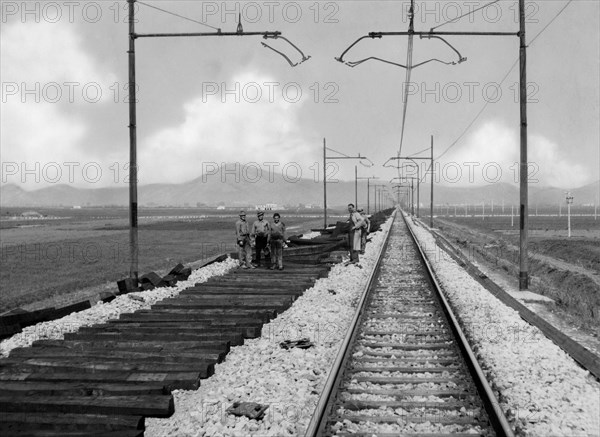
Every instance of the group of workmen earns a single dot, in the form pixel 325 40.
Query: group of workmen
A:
pixel 265 235
pixel 272 236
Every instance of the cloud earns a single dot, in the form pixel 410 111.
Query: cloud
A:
pixel 263 127
pixel 45 52
pixel 491 154
pixel 554 166
pixel 45 71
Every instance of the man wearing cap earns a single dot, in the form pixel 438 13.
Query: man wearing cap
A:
pixel 354 235
pixel 276 238
pixel 260 232
pixel 242 233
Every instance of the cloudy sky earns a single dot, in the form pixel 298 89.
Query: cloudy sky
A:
pixel 212 100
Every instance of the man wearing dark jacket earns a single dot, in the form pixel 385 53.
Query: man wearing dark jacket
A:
pixel 242 234
pixel 260 232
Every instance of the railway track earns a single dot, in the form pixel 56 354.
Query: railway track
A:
pixel 406 368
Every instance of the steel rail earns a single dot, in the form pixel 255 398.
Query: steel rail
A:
pixel 491 404
pixel 319 418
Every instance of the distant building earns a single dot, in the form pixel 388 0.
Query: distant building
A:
pixel 269 207
pixel 220 207
pixel 76 207
pixel 31 214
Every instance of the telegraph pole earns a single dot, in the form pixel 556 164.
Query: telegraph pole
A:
pixel 431 197
pixel 368 200
pixel 569 202
pixel 376 192
pixel 523 177
pixel 512 216
pixel 407 193
pixel 133 203
pixel 356 187
pixel 368 190
pixel 324 185
pixel 418 189
pixel 413 158
pixel 412 191
pixel 325 158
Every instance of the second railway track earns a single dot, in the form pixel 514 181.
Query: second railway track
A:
pixel 407 369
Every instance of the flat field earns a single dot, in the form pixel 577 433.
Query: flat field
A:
pixel 562 268
pixel 548 235
pixel 68 250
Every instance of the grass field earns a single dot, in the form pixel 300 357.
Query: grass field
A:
pixel 547 235
pixel 72 249
pixel 565 269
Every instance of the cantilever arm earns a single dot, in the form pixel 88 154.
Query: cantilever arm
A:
pixel 356 63
pixel 374 58
pixel 282 54
pixel 389 166
pixel 435 60
pixel 460 57
pixel 304 57
pixel 371 164
pixel 341 58
pixel 374 35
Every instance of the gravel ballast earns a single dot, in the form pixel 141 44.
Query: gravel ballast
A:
pixel 542 390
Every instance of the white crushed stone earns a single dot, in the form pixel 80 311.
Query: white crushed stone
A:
pixel 310 235
pixel 289 381
pixel 541 388
pixel 101 312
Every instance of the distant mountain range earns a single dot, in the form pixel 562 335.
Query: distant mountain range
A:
pixel 508 194
pixel 212 191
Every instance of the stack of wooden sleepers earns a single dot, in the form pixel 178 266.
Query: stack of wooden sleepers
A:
pixel 105 379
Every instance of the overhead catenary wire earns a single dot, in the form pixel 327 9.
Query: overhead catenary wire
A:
pixel 550 22
pixel 483 108
pixel 407 77
pixel 454 20
pixel 421 151
pixel 180 16
pixel 406 82
pixel 339 153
